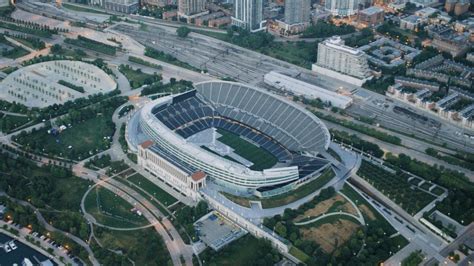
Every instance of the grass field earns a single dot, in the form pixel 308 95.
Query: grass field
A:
pixel 330 232
pixel 260 158
pixel 136 77
pixel 109 209
pixel 300 192
pixel 81 141
pixel 336 203
pixel 143 247
pixel 161 195
pixel 244 251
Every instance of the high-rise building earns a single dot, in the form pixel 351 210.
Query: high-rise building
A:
pixel 297 11
pixel 123 6
pixel 337 60
pixel 248 14
pixel 342 7
pixel 191 7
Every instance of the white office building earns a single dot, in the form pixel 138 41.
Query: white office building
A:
pixel 342 62
pixel 248 14
pixel 190 7
pixel 342 7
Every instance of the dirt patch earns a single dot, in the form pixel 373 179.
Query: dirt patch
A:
pixel 348 208
pixel 366 210
pixel 330 236
pixel 333 204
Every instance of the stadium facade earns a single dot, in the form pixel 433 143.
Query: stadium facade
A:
pixel 160 132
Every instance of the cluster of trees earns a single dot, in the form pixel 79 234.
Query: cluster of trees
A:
pixel 92 44
pixel 358 143
pixel 10 122
pixel 459 204
pixel 13 107
pixel 257 252
pixel 140 61
pixel 125 110
pixel 188 215
pixel 364 37
pixel 72 86
pixel 159 55
pixel 22 179
pixel 99 162
pixel 389 29
pixel 415 258
pixel 244 38
pixel 183 31
pixel 463 160
pixel 137 78
pixel 316 103
pixel 147 247
pixel 29 27
pixel 324 29
pixel 156 12
pixel 36 43
pixel 173 87
pixel 379 85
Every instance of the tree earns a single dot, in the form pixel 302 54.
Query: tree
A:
pixel 183 31
pixel 280 229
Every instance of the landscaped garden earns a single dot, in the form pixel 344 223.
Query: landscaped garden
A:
pixel 89 131
pixel 137 78
pixel 396 187
pixel 111 210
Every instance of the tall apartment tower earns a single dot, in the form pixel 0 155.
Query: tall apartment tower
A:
pixel 190 7
pixel 297 11
pixel 342 7
pixel 337 60
pixel 248 14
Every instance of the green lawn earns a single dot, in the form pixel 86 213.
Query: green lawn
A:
pixel 143 247
pixel 110 209
pixel 260 158
pixel 79 142
pixel 161 195
pixel 136 77
pixel 244 251
pixel 300 192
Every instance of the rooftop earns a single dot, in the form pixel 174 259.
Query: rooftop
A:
pixel 372 10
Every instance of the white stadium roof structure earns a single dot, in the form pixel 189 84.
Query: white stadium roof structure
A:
pixel 292 134
pixel 39 85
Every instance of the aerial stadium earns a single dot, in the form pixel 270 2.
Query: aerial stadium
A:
pixel 239 137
